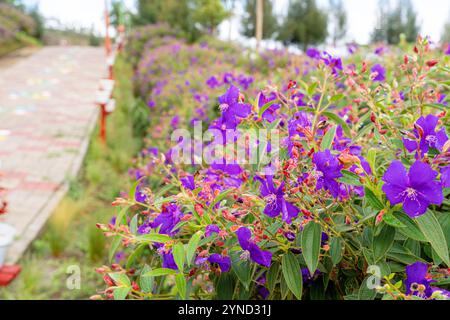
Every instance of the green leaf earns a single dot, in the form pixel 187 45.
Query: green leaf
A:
pixel 117 240
pixel 383 242
pixel 328 138
pixel 133 189
pixel 338 120
pixel 365 293
pixel 311 238
pixel 121 293
pixel 225 285
pixel 120 279
pixel 337 97
pixel 350 178
pixel 312 88
pixel 411 229
pixel 272 276
pixel 121 215
pixel 264 108
pixel 220 197
pixel 153 237
pixel 242 269
pixel 192 247
pixel 134 224
pixel 136 253
pixel 336 246
pixel 292 275
pixel 391 220
pixel 180 282
pixel 372 158
pixel 432 231
pixel 160 272
pixel 145 282
pixel 372 200
pixel 178 255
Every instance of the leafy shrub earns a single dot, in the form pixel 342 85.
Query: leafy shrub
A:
pixel 354 205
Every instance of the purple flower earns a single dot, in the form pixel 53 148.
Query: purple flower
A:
pixel 425 130
pixel 245 82
pixel 175 121
pixel 276 204
pixel 188 182
pixel 442 98
pixel 166 220
pixel 168 260
pixel 418 283
pixel 380 51
pixel 224 262
pixel 259 256
pixel 228 78
pixel 313 53
pixel 379 73
pixel 210 229
pixel 213 82
pixel 445 177
pixel 447 52
pixel 335 64
pixel 307 277
pixel 232 109
pixel 329 169
pixel 261 289
pixel 270 113
pixel 416 190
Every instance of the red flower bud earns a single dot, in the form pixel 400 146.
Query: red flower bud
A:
pixel 432 63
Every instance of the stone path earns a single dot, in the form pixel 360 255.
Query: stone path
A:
pixel 47 112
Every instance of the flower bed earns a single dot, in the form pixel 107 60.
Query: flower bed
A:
pixel 350 201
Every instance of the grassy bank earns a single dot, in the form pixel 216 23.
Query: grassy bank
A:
pixel 70 239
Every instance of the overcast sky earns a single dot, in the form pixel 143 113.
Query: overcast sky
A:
pixel 432 15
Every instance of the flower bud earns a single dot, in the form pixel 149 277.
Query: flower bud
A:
pixel 432 63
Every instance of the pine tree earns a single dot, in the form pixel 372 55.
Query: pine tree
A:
pixel 304 25
pixel 270 23
pixel 209 14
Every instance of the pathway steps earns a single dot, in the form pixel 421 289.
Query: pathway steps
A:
pixel 47 112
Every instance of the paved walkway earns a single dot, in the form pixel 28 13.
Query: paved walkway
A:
pixel 47 112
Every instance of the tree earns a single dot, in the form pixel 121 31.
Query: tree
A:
pixel 174 12
pixel 305 24
pixel 119 14
pixel 209 14
pixel 338 19
pixel 270 23
pixel 379 33
pixel 393 23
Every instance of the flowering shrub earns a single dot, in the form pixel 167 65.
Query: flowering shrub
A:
pixel 348 201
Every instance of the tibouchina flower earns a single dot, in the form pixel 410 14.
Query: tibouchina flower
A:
pixel 276 204
pixel 379 73
pixel 416 190
pixel 445 177
pixel 329 169
pixel 259 256
pixel 426 131
pixel 418 282
pixel 224 262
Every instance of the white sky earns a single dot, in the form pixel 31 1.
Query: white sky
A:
pixel 432 15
